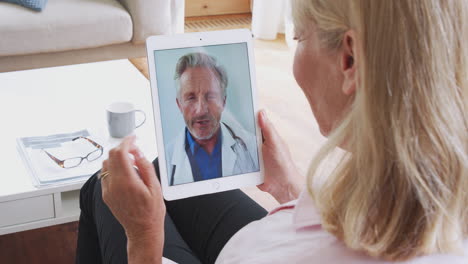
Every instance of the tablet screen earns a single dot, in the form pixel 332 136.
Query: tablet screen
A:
pixel 207 114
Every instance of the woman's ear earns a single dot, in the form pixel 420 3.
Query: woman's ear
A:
pixel 348 62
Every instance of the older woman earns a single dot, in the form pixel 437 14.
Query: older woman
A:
pixel 387 82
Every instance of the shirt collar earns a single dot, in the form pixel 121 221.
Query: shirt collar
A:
pixel 305 213
pixel 191 142
pixel 194 145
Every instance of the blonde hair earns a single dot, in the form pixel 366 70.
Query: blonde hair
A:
pixel 402 189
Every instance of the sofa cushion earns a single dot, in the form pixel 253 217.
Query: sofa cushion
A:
pixel 36 5
pixel 63 25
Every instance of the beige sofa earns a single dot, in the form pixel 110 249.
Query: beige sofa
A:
pixel 79 31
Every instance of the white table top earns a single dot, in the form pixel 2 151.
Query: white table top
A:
pixel 61 100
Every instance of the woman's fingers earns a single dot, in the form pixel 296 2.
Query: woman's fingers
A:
pixel 122 165
pixel 133 197
pixel 123 178
pixel 280 171
pixel 104 166
pixel 145 168
pixel 268 130
pixel 120 162
pixel 104 186
pixel 262 121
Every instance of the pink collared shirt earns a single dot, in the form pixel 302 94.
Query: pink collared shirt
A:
pixel 292 233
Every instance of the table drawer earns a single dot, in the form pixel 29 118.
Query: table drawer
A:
pixel 27 210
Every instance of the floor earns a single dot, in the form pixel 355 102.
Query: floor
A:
pixel 278 94
pixel 52 245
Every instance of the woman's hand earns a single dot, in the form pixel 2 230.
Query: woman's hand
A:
pixel 282 178
pixel 135 199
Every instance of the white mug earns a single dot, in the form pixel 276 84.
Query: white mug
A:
pixel 121 119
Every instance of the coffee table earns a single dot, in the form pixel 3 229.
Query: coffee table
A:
pixel 60 100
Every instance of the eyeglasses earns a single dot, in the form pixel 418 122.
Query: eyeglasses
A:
pixel 76 161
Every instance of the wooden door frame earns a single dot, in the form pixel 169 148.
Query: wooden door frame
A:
pixel 194 8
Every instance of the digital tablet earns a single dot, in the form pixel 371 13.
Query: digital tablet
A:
pixel 205 108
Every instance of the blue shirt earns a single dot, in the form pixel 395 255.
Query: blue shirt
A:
pixel 204 166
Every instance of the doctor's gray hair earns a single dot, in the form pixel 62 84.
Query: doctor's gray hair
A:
pixel 200 59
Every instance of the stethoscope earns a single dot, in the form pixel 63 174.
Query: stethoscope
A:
pixel 240 143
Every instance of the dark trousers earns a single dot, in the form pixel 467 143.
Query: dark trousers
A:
pixel 195 229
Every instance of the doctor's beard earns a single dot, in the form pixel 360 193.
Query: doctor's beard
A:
pixel 207 120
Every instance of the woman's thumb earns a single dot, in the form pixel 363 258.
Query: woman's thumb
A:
pixel 268 130
pixel 145 168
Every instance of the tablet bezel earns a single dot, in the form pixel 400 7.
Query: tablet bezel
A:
pixel 190 40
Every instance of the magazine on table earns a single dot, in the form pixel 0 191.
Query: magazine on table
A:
pixel 62 158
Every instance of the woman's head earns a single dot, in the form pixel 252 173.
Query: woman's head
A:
pixel 327 76
pixel 325 68
pixel 388 80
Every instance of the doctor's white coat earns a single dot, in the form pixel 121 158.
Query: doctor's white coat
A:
pixel 235 158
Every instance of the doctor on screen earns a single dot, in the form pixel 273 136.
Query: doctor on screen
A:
pixel 206 148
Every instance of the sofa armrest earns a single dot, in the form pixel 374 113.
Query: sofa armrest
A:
pixel 149 17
